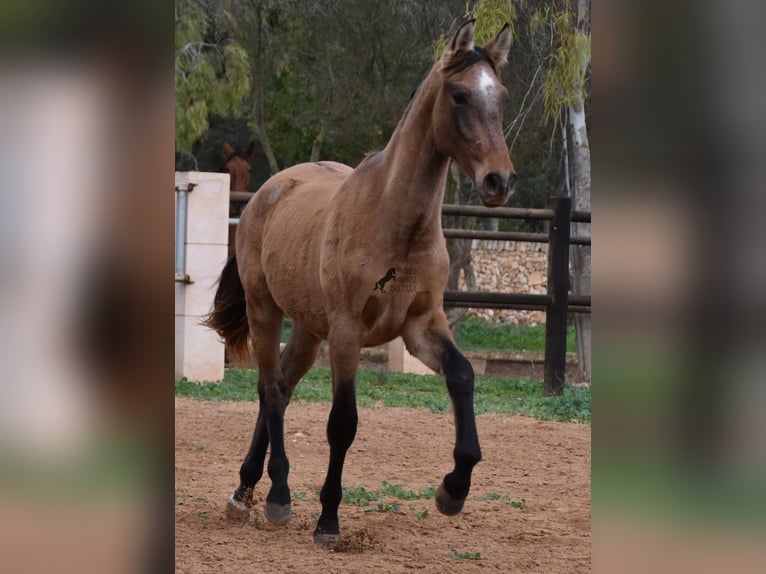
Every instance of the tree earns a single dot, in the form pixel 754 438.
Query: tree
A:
pixel 211 73
pixel 565 97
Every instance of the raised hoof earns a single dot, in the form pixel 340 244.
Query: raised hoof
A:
pixel 446 504
pixel 278 514
pixel 326 539
pixel 237 509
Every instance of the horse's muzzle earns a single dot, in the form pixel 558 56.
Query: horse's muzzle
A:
pixel 496 188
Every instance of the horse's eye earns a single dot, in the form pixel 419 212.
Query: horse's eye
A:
pixel 459 98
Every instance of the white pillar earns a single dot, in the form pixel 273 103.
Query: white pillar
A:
pixel 400 360
pixel 199 351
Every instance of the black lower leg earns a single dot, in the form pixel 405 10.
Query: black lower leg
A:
pixel 251 470
pixel 341 430
pixel 460 385
pixel 279 467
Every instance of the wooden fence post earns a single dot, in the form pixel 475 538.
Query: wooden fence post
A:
pixel 556 311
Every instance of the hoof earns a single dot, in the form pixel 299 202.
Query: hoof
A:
pixel 278 514
pixel 326 539
pixel 238 510
pixel 446 504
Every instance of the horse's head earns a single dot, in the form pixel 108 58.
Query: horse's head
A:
pixel 468 112
pixel 237 165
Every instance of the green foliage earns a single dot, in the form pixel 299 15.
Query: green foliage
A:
pixel 491 395
pixel 383 507
pixel 490 16
pixel 503 498
pixel 212 73
pixel 398 491
pixel 360 496
pixel 564 80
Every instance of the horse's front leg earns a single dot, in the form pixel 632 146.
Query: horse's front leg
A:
pixel 341 430
pixel 430 340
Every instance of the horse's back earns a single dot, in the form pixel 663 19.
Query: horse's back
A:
pixel 292 197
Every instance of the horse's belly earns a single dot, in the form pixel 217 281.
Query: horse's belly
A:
pixel 384 317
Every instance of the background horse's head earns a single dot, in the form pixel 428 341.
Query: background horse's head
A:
pixel 468 112
pixel 237 165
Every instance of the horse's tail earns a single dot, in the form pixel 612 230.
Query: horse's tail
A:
pixel 229 315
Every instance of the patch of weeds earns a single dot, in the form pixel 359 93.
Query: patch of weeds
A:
pixel 360 496
pixel 199 447
pixel 315 514
pixel 491 496
pixel 202 515
pixel 398 491
pixel 300 495
pixel 202 497
pixel 383 507
pixel 180 497
pixel 504 498
pixel 422 515
pixel 465 555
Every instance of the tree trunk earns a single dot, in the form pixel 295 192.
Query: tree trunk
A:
pixel 459 256
pixel 316 146
pixel 581 254
pixel 258 98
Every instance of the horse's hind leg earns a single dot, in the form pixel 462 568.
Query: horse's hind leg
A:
pixel 297 358
pixel 265 322
pixel 430 340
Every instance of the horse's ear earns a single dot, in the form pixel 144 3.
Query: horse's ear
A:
pixel 249 151
pixel 463 40
pixel 499 46
pixel 227 150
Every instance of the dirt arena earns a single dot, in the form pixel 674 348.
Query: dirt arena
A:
pixel 546 464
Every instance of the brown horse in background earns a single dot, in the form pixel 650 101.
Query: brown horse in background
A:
pixel 237 165
pixel 316 239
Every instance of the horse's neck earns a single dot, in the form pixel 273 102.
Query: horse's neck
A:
pixel 414 172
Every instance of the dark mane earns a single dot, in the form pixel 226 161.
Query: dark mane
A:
pixel 464 60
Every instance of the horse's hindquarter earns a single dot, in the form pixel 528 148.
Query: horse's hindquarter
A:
pixel 289 213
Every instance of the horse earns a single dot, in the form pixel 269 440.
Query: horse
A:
pixel 325 224
pixel 237 165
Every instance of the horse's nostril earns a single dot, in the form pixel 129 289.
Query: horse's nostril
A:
pixel 493 183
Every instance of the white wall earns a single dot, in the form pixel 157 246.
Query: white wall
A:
pixel 199 353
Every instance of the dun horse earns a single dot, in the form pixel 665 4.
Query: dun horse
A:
pixel 315 240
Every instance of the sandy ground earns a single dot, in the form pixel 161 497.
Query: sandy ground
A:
pixel 547 464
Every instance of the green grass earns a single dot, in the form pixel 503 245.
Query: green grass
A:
pixel 381 388
pixel 474 334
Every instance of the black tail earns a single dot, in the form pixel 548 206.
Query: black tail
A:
pixel 229 315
